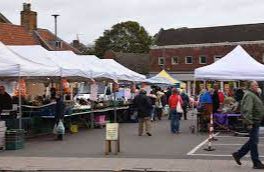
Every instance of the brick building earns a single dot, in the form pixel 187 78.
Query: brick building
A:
pixel 182 50
pixel 27 33
pixel 137 62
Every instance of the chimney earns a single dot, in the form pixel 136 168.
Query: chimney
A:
pixel 109 54
pixel 28 17
pixel 76 43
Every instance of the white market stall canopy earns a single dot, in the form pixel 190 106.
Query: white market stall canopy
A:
pixel 69 64
pixel 236 65
pixel 26 67
pixel 82 62
pixel 122 71
pixel 9 69
pixel 38 54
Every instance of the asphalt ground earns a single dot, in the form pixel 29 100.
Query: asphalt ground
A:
pixel 89 143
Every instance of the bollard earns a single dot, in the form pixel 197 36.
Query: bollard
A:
pixel 211 134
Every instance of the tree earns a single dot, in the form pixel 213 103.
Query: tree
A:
pixel 127 37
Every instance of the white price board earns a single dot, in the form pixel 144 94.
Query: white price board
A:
pixel 112 131
pixel 94 92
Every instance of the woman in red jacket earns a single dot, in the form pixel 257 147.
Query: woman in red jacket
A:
pixel 174 99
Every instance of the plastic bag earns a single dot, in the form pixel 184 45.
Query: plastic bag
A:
pixel 179 108
pixel 166 110
pixel 60 128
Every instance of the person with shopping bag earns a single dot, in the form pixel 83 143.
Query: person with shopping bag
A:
pixel 175 104
pixel 59 129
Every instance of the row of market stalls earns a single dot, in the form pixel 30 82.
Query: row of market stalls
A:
pixel 35 61
pixel 38 65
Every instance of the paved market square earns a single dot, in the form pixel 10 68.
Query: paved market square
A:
pixel 184 149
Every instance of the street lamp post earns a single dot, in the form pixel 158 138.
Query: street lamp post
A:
pixel 55 26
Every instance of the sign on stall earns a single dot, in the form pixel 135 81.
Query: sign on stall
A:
pixel 112 131
pixel 94 92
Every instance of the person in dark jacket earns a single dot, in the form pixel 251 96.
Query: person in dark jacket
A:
pixel 5 100
pixel 186 102
pixel 143 105
pixel 59 113
pixel 59 109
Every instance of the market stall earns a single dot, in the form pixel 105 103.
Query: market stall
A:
pixel 236 65
pixel 164 78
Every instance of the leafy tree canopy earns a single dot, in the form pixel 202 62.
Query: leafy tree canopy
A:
pixel 127 37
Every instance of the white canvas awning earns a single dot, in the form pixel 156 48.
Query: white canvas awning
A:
pixel 123 72
pixel 82 62
pixel 26 67
pixel 236 65
pixel 38 54
pixel 8 70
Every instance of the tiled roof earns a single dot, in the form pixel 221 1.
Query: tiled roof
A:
pixel 11 34
pixel 3 19
pixel 16 35
pixel 232 33
pixel 49 38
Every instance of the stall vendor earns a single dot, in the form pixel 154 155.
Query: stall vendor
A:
pixel 5 99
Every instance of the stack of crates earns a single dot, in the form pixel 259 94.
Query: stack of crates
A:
pixel 15 139
pixel 2 135
pixel 100 121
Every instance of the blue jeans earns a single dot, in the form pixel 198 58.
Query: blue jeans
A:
pixel 175 124
pixel 251 145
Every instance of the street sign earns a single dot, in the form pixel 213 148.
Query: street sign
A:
pixel 112 131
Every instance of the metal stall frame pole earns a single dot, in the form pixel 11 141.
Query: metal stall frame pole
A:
pixel 222 86
pixel 235 84
pixel 194 88
pixel 92 107
pixel 115 110
pixel 19 99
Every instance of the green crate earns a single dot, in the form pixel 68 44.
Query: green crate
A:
pixel 15 145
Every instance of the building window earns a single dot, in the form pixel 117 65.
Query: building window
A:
pixel 161 61
pixel 217 58
pixel 58 44
pixel 189 60
pixel 174 60
pixel 202 60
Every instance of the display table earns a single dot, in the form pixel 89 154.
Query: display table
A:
pixel 44 110
pixel 223 119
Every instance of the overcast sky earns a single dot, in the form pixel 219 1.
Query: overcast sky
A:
pixel 89 18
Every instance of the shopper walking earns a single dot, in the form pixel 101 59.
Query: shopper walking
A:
pixel 186 102
pixel 153 98
pixel 158 103
pixel 217 98
pixel 174 99
pixel 143 105
pixel 252 110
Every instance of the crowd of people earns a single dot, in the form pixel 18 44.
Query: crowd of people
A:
pixel 248 103
pixel 151 107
